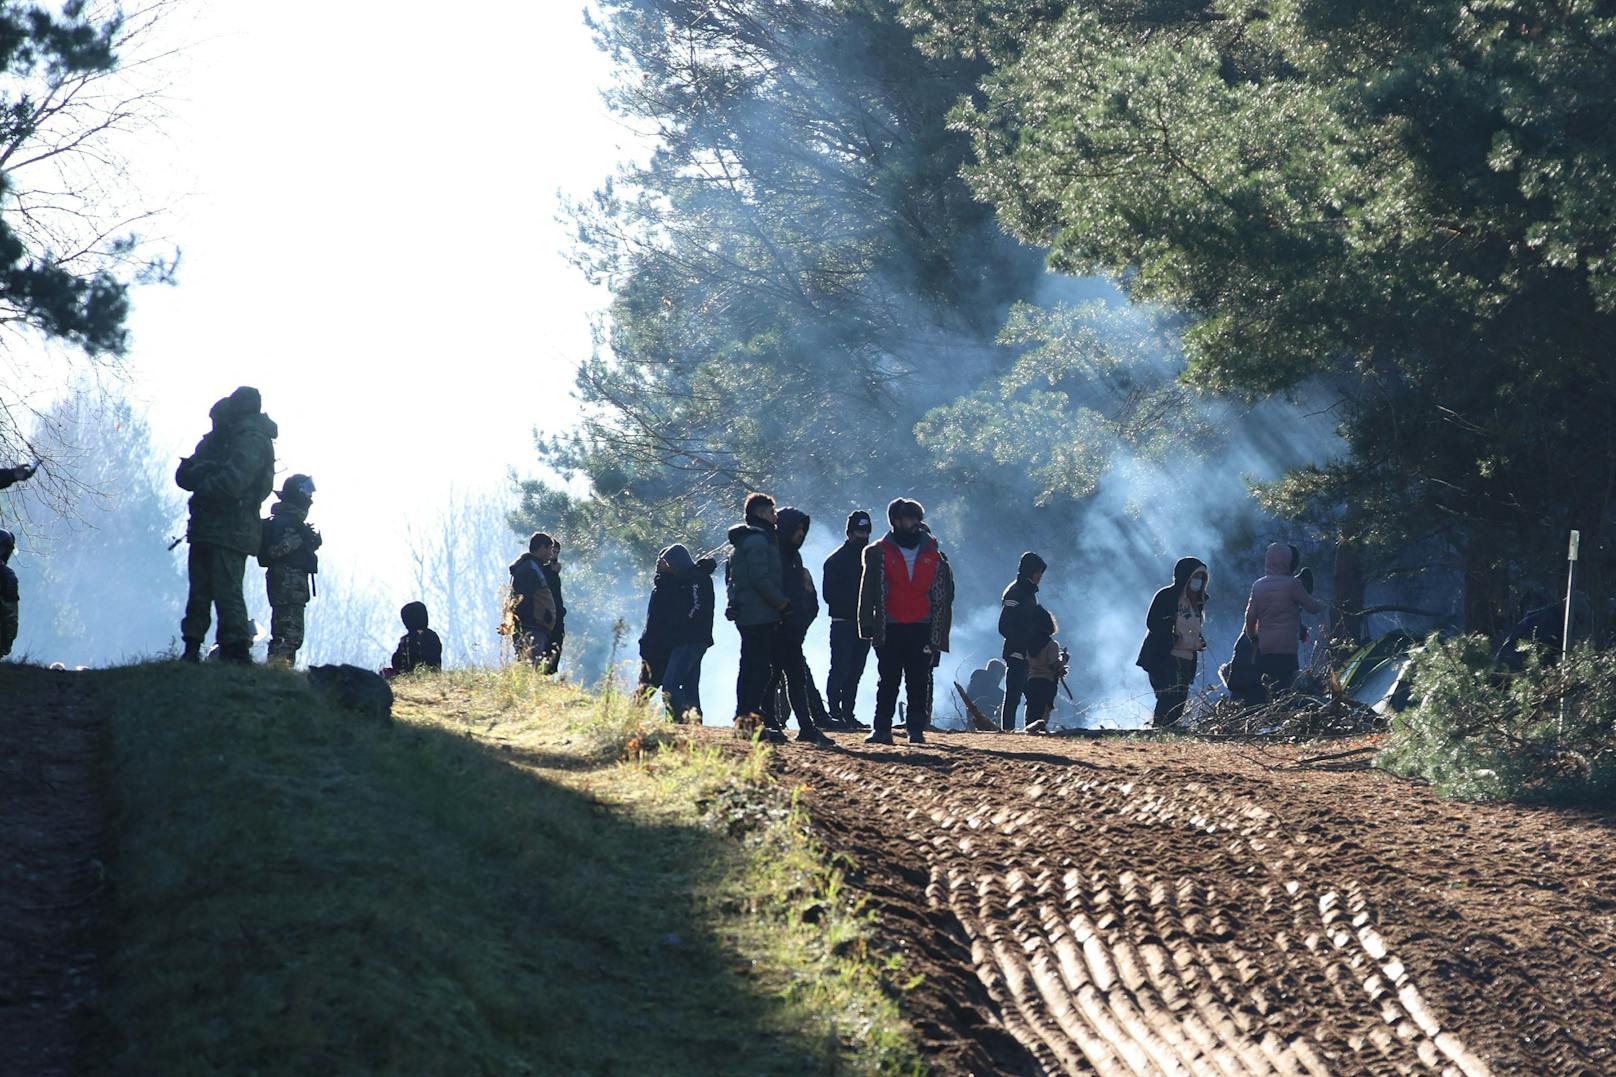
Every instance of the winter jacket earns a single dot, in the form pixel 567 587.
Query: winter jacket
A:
pixel 229 475
pixel 1044 661
pixel 1019 617
pixel 288 552
pixel 875 590
pixel 680 611
pixel 795 581
pixel 753 580
pixel 552 576
pixel 419 647
pixel 1156 651
pixel 9 603
pixel 531 602
pixel 1273 616
pixel 839 583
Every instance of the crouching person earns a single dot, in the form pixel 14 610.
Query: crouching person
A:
pixel 419 647
pixel 287 552
pixel 905 610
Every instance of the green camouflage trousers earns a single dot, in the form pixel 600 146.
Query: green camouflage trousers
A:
pixel 216 578
pixel 288 590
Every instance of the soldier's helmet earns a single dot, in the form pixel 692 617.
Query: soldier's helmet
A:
pixel 8 542
pixel 298 489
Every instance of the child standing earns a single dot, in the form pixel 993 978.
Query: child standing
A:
pixel 1046 665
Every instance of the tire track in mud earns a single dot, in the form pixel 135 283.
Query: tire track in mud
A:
pixel 1120 924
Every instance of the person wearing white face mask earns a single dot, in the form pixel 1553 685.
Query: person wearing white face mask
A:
pixel 1173 640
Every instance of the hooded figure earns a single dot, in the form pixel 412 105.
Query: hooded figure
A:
pixel 1172 644
pixel 530 608
pixel 287 552
pixel 229 475
pixel 1020 616
pixel 789 667
pixel 906 601
pixel 1274 619
pixel 1046 666
pixel 419 647
pixel 848 653
pixel 8 593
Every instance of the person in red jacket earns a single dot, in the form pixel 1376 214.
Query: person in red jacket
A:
pixel 905 610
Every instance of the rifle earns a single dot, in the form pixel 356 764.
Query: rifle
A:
pixel 1066 657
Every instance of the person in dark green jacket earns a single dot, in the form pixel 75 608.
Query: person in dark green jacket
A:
pixel 229 475
pixel 756 600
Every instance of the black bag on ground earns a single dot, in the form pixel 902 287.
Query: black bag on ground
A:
pixel 1239 673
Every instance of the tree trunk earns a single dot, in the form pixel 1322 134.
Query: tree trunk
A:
pixel 1345 621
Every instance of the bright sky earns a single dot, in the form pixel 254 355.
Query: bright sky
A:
pixel 367 207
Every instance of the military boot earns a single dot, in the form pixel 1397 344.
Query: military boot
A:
pixel 236 652
pixel 193 651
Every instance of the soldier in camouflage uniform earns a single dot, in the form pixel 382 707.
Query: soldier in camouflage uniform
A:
pixel 229 475
pixel 288 555
pixel 8 594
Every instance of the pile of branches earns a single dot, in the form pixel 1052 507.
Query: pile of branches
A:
pixel 1291 715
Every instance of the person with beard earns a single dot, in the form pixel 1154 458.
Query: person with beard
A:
pixel 755 602
pixel 1173 639
pixel 848 652
pixel 905 610
pixel 1019 618
pixel 790 668
pixel 679 629
pixel 530 608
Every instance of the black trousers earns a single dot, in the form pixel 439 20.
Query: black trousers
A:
pixel 848 654
pixel 904 658
pixel 757 667
pixel 1172 685
pixel 1040 694
pixel 1015 681
pixel 789 671
pixel 1277 672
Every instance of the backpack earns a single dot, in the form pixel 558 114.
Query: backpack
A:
pixel 1239 673
pixel 266 535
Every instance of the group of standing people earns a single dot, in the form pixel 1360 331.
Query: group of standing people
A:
pixel 893 595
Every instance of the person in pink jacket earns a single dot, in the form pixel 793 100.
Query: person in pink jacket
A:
pixel 1274 618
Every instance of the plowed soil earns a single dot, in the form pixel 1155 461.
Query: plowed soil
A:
pixel 1180 907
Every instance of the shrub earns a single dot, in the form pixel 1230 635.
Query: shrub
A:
pixel 1545 733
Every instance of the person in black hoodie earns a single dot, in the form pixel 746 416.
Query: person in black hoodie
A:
pixel 790 667
pixel 419 647
pixel 1020 619
pixel 1162 654
pixel 549 558
pixel 848 653
pixel 679 629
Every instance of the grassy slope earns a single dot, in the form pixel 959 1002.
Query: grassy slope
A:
pixel 479 888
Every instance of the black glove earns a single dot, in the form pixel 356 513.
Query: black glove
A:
pixel 1306 576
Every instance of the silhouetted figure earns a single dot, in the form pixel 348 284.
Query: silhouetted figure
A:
pixel 290 563
pixel 419 647
pixel 229 475
pixel 9 600
pixel 549 556
pixel 21 472
pixel 1018 624
pixel 839 582
pixel 789 668
pixel 755 601
pixel 531 607
pixel 985 689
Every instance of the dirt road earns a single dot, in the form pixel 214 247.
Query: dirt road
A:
pixel 1170 907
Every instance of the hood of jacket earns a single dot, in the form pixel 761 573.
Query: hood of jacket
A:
pixel 414 615
pixel 526 558
pixel 678 559
pixel 1030 564
pixel 787 522
pixel 1277 562
pixel 738 534
pixel 1185 569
